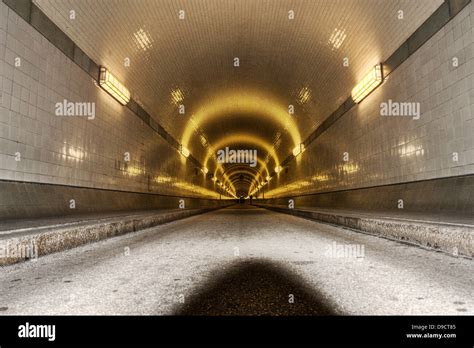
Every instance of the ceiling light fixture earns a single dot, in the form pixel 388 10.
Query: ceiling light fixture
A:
pixel 111 85
pixel 298 149
pixel 370 82
pixel 184 151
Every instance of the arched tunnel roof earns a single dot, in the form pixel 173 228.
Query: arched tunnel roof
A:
pixel 237 67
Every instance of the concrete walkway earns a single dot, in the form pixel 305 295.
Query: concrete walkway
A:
pixel 21 240
pixel 452 234
pixel 241 260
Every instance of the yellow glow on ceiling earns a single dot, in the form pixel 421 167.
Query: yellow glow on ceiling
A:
pixel 304 95
pixel 177 96
pixel 255 175
pixel 247 139
pixel 143 39
pixel 260 161
pixel 337 38
pixel 263 165
pixel 247 103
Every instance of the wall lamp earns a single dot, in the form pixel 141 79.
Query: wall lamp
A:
pixel 278 169
pixel 111 85
pixel 370 82
pixel 184 151
pixel 298 149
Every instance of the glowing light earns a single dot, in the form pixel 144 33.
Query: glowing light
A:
pixel 111 85
pixel 143 40
pixel 350 168
pixel 134 171
pixel 244 103
pixel 75 153
pixel 298 149
pixel 184 151
pixel 259 174
pixel 237 138
pixel 162 179
pixel 320 177
pixel 304 95
pixel 337 38
pixel 214 179
pixel 205 170
pixel 278 169
pixel 295 187
pixel 268 178
pixel 177 96
pixel 193 188
pixel 370 82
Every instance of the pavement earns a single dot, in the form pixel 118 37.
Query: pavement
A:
pixel 449 233
pixel 241 260
pixel 24 239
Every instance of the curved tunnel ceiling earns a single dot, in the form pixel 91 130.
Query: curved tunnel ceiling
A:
pixel 282 62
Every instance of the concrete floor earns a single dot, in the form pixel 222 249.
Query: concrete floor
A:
pixel 240 260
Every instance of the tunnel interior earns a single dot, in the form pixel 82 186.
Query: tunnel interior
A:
pixel 236 99
pixel 118 116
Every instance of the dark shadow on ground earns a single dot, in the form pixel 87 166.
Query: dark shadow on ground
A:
pixel 255 288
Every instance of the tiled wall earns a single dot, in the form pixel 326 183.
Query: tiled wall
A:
pixel 387 150
pixel 453 197
pixel 74 150
pixel 31 200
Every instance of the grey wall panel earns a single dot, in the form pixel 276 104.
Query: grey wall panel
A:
pixel 31 200
pixel 447 196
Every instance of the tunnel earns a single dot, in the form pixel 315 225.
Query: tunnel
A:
pixel 237 157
